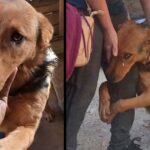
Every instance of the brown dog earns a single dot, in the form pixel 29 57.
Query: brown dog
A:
pixel 24 43
pixel 134 47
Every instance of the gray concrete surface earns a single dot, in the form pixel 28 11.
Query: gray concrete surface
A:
pixel 95 135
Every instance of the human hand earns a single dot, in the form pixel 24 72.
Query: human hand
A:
pixel 4 95
pixel 110 43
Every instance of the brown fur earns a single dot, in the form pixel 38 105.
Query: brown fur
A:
pixel 24 109
pixel 134 47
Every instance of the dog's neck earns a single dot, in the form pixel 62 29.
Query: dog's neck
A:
pixel 31 75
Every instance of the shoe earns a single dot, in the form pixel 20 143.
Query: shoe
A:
pixel 134 145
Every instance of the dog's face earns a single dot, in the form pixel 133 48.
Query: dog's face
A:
pixel 23 32
pixel 134 46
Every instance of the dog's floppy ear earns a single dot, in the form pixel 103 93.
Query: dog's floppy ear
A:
pixel 146 43
pixel 144 49
pixel 45 32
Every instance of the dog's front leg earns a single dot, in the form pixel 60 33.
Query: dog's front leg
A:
pixel 125 104
pixel 22 119
pixel 19 139
pixel 104 102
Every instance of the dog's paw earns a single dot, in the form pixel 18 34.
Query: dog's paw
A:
pixel 115 108
pixel 104 102
pixel 104 111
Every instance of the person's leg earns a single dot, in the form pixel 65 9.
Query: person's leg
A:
pixel 146 7
pixel 80 91
pixel 122 123
pixel 118 12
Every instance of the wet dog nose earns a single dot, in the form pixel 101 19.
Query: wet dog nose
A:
pixel 111 78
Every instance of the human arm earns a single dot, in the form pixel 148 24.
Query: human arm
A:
pixel 109 33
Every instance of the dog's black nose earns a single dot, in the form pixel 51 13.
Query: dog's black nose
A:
pixel 111 78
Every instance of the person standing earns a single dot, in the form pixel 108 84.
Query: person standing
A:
pixel 80 88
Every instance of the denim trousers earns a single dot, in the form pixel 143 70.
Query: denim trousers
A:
pixel 80 90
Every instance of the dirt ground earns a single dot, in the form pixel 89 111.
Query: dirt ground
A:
pixel 95 135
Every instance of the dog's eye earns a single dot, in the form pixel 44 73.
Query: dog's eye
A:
pixel 126 56
pixel 17 38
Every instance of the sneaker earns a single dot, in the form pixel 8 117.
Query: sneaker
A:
pixel 134 145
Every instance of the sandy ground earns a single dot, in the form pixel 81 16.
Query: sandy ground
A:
pixel 95 135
